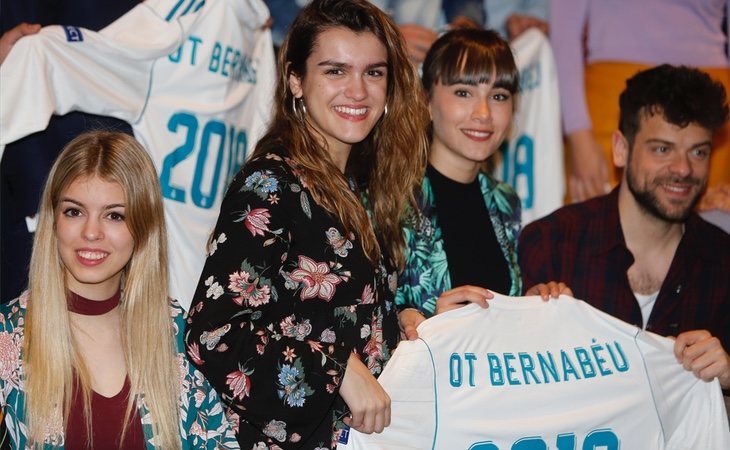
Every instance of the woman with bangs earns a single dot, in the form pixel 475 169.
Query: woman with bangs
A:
pixel 463 238
pixel 293 316
pixel 91 356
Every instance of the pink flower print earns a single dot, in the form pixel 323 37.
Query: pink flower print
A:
pixel 194 353
pixel 247 289
pixel 289 354
pixel 9 356
pixel 317 279
pixel 297 330
pixel 315 346
pixel 239 383
pixel 375 348
pixel 197 430
pixel 257 221
pixel 233 419
pixel 199 397
pixel 367 295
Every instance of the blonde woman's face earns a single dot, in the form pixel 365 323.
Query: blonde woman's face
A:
pixel 93 239
pixel 345 86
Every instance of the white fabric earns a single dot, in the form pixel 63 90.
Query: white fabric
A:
pixel 474 380
pixel 198 111
pixel 531 160
pixel 646 303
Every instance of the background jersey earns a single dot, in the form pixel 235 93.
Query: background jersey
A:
pixel 193 78
pixel 525 374
pixel 536 137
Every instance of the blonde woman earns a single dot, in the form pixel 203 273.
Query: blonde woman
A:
pixel 90 354
pixel 293 316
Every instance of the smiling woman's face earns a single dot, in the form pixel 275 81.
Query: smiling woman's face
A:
pixel 345 86
pixel 94 242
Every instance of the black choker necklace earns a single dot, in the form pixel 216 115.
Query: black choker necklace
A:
pixel 80 305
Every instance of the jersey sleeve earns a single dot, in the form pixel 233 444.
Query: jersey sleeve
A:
pixel 246 332
pixel 409 380
pixel 691 411
pixel 65 68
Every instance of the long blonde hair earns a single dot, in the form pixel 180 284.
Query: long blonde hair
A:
pixel 389 163
pixel 52 363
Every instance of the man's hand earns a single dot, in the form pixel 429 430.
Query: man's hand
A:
pixel 551 289
pixel 462 295
pixel 10 37
pixel 703 354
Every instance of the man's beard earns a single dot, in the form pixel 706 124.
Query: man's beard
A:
pixel 648 200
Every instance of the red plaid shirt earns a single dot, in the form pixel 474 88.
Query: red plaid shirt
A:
pixel 583 245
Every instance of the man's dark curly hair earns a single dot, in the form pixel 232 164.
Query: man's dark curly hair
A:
pixel 681 94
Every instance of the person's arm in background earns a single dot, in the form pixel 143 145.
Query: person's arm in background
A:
pixel 418 21
pixel 588 167
pixel 524 15
pixel 10 37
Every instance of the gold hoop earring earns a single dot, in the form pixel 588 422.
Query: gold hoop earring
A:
pixel 299 112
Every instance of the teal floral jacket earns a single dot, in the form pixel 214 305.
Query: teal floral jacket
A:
pixel 426 275
pixel 203 424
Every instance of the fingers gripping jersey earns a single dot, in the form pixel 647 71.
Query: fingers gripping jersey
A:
pixel 525 374
pixel 195 80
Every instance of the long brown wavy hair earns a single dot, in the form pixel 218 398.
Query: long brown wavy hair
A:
pixel 389 163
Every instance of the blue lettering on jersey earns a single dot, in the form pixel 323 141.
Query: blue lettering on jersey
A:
pixel 496 377
pixel 604 439
pixel 73 34
pixel 542 367
pixel 508 358
pixel 568 367
pixel 528 368
pixel 455 370
pixel 518 167
pixel 585 363
pixel 548 367
pixel 210 148
pixel 344 435
pixel 232 63
pixel 530 77
pixel 177 56
pixel 192 5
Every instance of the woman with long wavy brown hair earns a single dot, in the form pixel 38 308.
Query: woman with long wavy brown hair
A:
pixel 293 316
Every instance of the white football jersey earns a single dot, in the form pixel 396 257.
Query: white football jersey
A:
pixel 525 374
pixel 193 78
pixel 531 159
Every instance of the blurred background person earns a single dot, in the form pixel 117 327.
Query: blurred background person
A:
pixel 26 162
pixel 600 44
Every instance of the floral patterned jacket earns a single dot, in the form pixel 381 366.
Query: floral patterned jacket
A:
pixel 426 275
pixel 286 295
pixel 203 425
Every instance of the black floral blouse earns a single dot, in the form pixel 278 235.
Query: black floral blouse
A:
pixel 284 298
